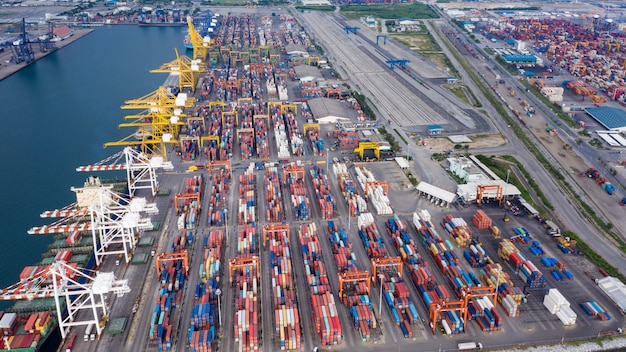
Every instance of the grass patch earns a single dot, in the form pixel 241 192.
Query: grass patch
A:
pixel 458 91
pixel 321 8
pixel 489 51
pixel 500 168
pixel 401 136
pixel 395 146
pixel 415 10
pixel 411 178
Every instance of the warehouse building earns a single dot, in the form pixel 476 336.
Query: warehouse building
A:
pixel 613 119
pixel 327 111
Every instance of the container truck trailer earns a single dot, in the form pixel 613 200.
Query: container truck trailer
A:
pixel 464 346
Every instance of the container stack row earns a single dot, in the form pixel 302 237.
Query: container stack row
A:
pixel 273 196
pixel 183 240
pixel 483 311
pixel 396 296
pixel 227 135
pixel 261 138
pixel 245 133
pixel 374 192
pixel 294 177
pixel 35 326
pixel 418 269
pixel 356 203
pixel 325 197
pixel 316 141
pixel 556 304
pixel 287 320
pixel 172 276
pixel 447 261
pixel 395 291
pixel 189 149
pixel 355 292
pixel 458 230
pixel 245 280
pixel 559 271
pixel 294 134
pixel 509 296
pixel 372 240
pixel 325 317
pixel 527 271
pixel 280 133
pixel 481 220
pixel 592 308
pixel 476 255
pixel 247 197
pixel 217 203
pixel 204 314
pixel 188 203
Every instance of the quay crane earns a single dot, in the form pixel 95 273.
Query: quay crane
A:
pixel 200 45
pixel 113 220
pixel 84 295
pixel 158 124
pixel 185 69
pixel 22 46
pixel 140 169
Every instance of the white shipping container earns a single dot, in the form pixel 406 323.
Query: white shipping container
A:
pixel 550 304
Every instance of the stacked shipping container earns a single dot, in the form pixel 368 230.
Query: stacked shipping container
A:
pixel 325 198
pixel 286 313
pixel 247 198
pixel 204 314
pixel 273 196
pixel 246 281
pixel 356 203
pixel 217 203
pixel 188 204
pixel 294 178
pixel 376 193
pixel 458 230
pixel 527 271
pixel 355 295
pixel 172 276
pixel 325 317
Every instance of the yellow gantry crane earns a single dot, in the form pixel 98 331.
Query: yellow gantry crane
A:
pixel 187 70
pixel 158 124
pixel 201 45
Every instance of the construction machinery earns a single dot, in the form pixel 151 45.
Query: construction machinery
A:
pixel 79 295
pixel 368 151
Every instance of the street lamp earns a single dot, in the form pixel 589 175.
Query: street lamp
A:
pixel 380 297
pixel 218 292
pixel 508 171
pixel 226 220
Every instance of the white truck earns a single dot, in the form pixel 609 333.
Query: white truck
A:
pixel 464 346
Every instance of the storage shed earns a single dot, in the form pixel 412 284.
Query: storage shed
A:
pixel 613 119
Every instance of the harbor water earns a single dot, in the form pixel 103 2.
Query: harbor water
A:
pixel 57 113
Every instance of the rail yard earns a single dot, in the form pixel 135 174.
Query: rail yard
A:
pixel 268 238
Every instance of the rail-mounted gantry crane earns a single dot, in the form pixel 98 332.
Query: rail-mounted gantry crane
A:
pixel 84 295
pixel 200 45
pixel 159 123
pixel 113 220
pixel 140 169
pixel 172 257
pixel 242 263
pixel 364 147
pixel 480 193
pixel 187 70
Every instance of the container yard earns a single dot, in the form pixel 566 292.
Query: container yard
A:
pixel 291 286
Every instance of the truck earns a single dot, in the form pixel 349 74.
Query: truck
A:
pixel 88 330
pixel 464 346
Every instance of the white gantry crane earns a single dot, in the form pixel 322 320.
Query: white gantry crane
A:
pixel 113 220
pixel 140 169
pixel 86 300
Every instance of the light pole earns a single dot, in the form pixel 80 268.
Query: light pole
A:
pixel 508 171
pixel 349 218
pixel 226 220
pixel 380 296
pixel 218 292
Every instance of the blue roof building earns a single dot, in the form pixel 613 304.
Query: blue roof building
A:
pixel 613 119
